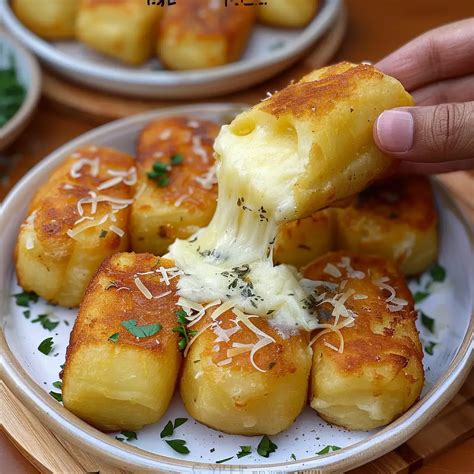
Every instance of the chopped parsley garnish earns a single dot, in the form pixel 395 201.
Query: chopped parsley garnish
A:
pixel 141 331
pixel 179 445
pixel 266 447
pixel 160 170
pixel 58 384
pixel 169 428
pixel 244 451
pixel 27 314
pixel 12 92
pixel 129 435
pixel 224 460
pixel 271 365
pixel 46 346
pixel 103 234
pixel 176 159
pixel 293 457
pixel 24 298
pixel 438 273
pixel 428 323
pixel 183 330
pixel 57 396
pixel 328 449
pixel 114 338
pixel 120 439
pixel 429 347
pixel 420 296
pixel 44 320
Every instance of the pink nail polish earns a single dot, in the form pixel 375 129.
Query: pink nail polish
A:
pixel 395 130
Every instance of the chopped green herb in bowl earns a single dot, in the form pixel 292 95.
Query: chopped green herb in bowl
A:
pixel 12 93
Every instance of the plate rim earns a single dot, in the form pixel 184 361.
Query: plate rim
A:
pixel 56 417
pixel 47 52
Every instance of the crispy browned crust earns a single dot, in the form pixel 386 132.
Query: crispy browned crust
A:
pixel 317 95
pixel 196 17
pixel 407 199
pixel 151 148
pixel 378 337
pixel 105 306
pixel 277 358
pixel 56 207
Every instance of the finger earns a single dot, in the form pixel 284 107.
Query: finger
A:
pixel 408 167
pixel 431 134
pixel 443 92
pixel 442 53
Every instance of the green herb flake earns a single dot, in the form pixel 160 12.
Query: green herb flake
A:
pixel 420 296
pixel 27 314
pixel 328 449
pixel 120 439
pixel 266 447
pixel 57 396
pixel 46 346
pixel 179 445
pixel 44 320
pixel 177 159
pixel 58 384
pixel 429 347
pixel 141 331
pixel 23 299
pixel 103 234
pixel 168 430
pixel 114 338
pixel 293 457
pixel 244 451
pixel 129 435
pixel 428 323
pixel 182 330
pixel 179 421
pixel 438 273
pixel 224 460
pixel 163 181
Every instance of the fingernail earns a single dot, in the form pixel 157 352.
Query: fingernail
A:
pixel 395 130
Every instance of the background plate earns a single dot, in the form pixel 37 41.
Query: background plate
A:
pixel 270 51
pixel 30 374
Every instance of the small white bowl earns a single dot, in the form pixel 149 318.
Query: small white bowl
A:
pixel 29 76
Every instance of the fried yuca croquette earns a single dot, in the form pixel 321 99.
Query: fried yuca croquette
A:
pixel 122 361
pixel 180 196
pixel 241 376
pixel 313 139
pixel 367 364
pixel 198 34
pixel 122 29
pixel 300 242
pixel 395 219
pixel 287 14
pixel 51 19
pixel 76 220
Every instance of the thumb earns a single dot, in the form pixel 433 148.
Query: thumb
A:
pixel 431 134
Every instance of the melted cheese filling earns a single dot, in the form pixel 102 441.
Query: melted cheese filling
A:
pixel 231 259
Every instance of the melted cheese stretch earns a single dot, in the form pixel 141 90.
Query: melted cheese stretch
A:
pixel 231 259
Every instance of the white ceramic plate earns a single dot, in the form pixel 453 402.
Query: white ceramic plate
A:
pixel 30 374
pixel 270 51
pixel 29 76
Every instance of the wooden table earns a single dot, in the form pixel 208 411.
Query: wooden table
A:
pixel 376 27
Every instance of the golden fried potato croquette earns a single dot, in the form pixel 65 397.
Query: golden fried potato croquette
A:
pixel 117 378
pixel 287 14
pixel 198 34
pixel 223 389
pixel 73 224
pixel 50 19
pixel 122 29
pixel 312 142
pixel 185 201
pixel 395 219
pixel 369 371
pixel 300 242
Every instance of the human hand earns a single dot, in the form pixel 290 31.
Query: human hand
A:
pixel 437 135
